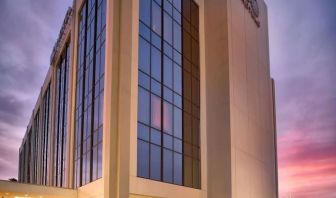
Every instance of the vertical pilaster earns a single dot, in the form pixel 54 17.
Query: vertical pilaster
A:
pixel 72 100
pixel 217 99
pixel 110 130
pixel 119 77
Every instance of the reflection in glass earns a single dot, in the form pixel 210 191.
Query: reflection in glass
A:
pixel 167 166
pixel 156 64
pixel 144 56
pixel 167 117
pixel 143 101
pixel 89 105
pixel 145 11
pixel 155 162
pixel 156 112
pixel 156 18
pixel 168 27
pixel 168 92
pixel 143 154
pixel 167 72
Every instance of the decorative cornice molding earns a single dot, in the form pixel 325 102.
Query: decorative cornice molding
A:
pixel 61 36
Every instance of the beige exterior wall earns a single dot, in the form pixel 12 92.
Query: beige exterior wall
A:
pixel 251 104
pixel 241 131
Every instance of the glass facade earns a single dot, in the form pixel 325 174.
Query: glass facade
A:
pixel 169 92
pixel 60 135
pixel 28 149
pixel 35 136
pixel 45 136
pixel 90 92
pixel 34 150
pixel 21 164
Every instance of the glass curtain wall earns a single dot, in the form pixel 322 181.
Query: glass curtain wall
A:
pixel 60 138
pixel 169 92
pixel 35 143
pixel 45 136
pixel 90 92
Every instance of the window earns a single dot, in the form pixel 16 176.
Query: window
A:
pixel 29 156
pixel 45 136
pixel 90 93
pixel 35 143
pixel 60 135
pixel 20 179
pixel 168 92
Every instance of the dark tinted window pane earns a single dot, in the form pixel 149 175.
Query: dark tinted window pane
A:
pixel 177 168
pixel 187 149
pixel 144 31
pixel 156 112
pixel 156 64
pixel 94 163
pixel 196 153
pixel 144 56
pixel 143 132
pixel 177 79
pixel 143 106
pixel 168 50
pixel 196 174
pixel 156 87
pixel 186 9
pixel 145 11
pixel 143 159
pixel 177 4
pixel 177 58
pixel 167 117
pixel 187 85
pixel 196 132
pixel 155 137
pixel 177 145
pixel 156 40
pixel 194 52
pixel 177 37
pixel 188 181
pixel 187 46
pixel 168 7
pixel 100 160
pixel 168 72
pixel 168 95
pixel 144 80
pixel 158 1
pixel 155 162
pixel 178 100
pixel 194 14
pixel 187 128
pixel 167 141
pixel 168 28
pixel 177 16
pixel 167 166
pixel 156 18
pixel 177 122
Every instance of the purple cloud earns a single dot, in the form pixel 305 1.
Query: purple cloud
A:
pixel 29 29
pixel 303 46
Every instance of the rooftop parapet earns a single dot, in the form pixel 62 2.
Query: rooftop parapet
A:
pixel 62 35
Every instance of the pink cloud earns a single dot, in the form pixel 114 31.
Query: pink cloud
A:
pixel 307 168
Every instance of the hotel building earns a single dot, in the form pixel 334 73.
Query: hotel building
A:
pixel 154 99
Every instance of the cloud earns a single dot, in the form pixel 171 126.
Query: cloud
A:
pixel 29 29
pixel 307 165
pixel 303 44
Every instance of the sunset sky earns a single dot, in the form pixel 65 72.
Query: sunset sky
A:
pixel 303 64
